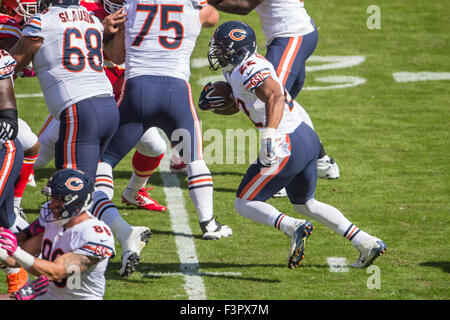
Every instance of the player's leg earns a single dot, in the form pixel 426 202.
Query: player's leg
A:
pixel 177 164
pixel 132 239
pixel 149 152
pixel 130 130
pixel 301 194
pixel 48 135
pixel 260 183
pixel 11 159
pixel 187 140
pixel 30 144
pixel 85 130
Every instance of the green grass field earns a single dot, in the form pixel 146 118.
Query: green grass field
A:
pixel 390 139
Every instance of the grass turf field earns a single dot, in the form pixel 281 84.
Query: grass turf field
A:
pixel 390 139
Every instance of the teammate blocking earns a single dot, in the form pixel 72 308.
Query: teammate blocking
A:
pixel 159 39
pixel 289 147
pixel 65 44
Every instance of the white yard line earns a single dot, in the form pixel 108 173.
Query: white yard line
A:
pixel 32 95
pixel 420 76
pixel 189 265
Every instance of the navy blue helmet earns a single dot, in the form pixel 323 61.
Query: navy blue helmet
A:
pixel 232 42
pixel 43 4
pixel 74 187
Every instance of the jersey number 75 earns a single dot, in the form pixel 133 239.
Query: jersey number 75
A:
pixel 165 25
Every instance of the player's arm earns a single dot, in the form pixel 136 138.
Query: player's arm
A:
pixel 242 7
pixel 24 50
pixel 63 266
pixel 208 16
pixel 31 247
pixel 270 93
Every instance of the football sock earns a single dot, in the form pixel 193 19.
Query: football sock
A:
pixel 355 235
pixel 143 167
pixel 200 186
pixel 105 210
pixel 104 179
pixel 264 213
pixel 333 219
pixel 27 169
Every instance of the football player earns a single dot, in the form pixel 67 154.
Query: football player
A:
pixel 68 60
pixel 291 37
pixel 159 39
pixel 18 11
pixel 289 148
pixel 11 158
pixel 149 150
pixel 75 246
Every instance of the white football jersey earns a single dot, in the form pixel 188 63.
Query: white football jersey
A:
pixel 69 63
pixel 248 76
pixel 160 36
pixel 287 18
pixel 91 237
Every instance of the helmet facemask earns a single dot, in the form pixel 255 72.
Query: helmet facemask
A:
pixel 111 6
pixel 217 55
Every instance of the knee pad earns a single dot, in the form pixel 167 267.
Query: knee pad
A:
pixel 26 137
pixel 151 143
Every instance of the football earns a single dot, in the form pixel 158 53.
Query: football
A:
pixel 223 89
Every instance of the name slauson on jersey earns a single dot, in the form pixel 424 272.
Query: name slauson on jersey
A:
pixel 76 15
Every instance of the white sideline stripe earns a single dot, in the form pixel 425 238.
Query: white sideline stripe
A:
pixel 32 95
pixel 337 264
pixel 420 76
pixel 189 266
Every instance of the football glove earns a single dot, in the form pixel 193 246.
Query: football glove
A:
pixel 207 100
pixel 8 241
pixel 267 155
pixel 37 287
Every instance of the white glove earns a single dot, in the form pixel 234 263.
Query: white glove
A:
pixel 267 155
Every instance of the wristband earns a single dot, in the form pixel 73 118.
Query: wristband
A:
pixel 25 259
pixel 268 133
